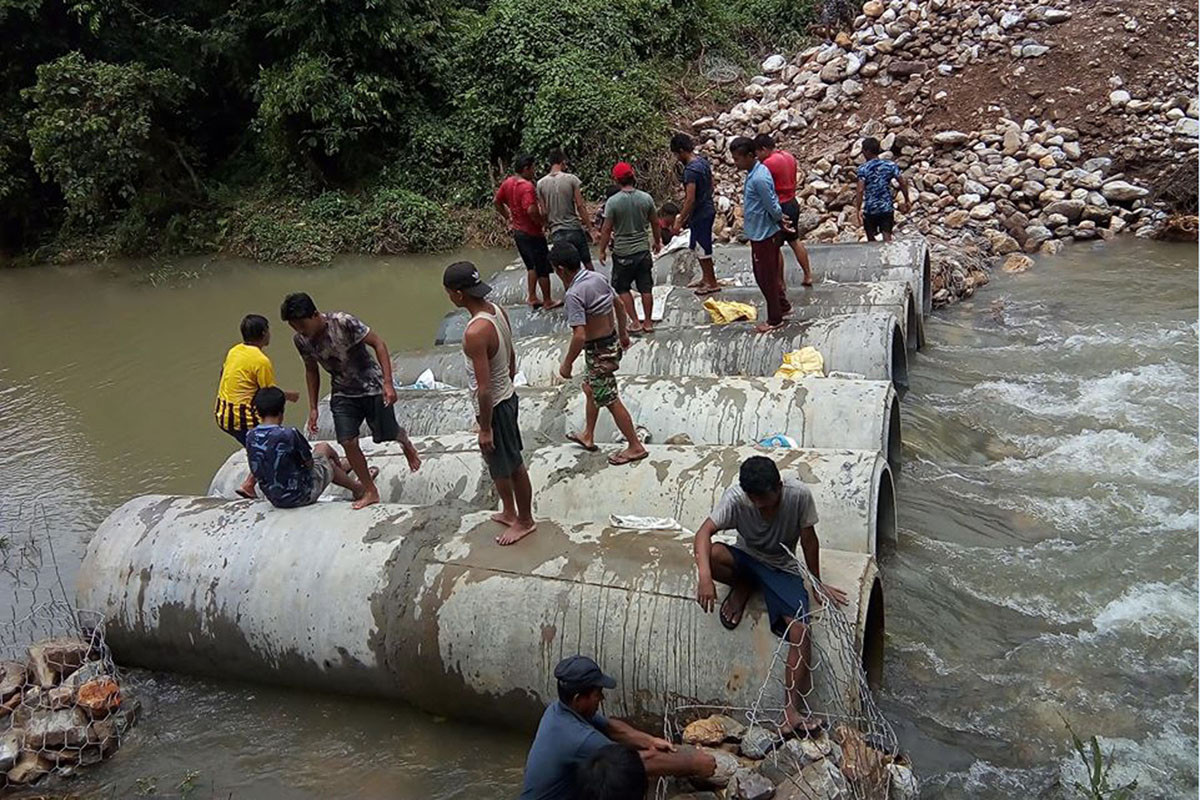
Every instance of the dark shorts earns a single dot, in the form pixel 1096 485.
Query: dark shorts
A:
pixel 505 459
pixel 701 227
pixel 784 592
pixel 791 212
pixel 602 357
pixel 534 252
pixel 239 435
pixel 349 413
pixel 578 239
pixel 628 271
pixel 879 223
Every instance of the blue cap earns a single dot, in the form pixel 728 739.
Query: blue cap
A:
pixel 580 672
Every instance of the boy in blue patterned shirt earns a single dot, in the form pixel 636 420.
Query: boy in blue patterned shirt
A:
pixel 874 196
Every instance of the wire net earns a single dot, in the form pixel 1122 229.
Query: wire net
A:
pixel 813 732
pixel 718 69
pixel 61 704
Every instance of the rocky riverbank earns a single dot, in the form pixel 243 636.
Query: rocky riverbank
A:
pixel 1020 126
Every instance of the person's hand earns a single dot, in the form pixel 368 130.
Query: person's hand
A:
pixel 626 342
pixel 389 395
pixel 292 397
pixel 662 745
pixel 603 256
pixel 487 440
pixel 706 594
pixel 858 216
pixel 675 229
pixel 564 372
pixel 657 246
pixel 837 595
pixel 312 420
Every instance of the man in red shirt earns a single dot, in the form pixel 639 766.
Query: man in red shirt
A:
pixel 516 203
pixel 782 166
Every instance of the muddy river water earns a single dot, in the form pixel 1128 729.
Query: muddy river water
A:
pixel 1046 565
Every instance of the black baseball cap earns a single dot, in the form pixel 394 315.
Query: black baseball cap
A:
pixel 462 276
pixel 580 672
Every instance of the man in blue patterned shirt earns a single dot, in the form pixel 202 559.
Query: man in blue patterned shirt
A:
pixel 874 197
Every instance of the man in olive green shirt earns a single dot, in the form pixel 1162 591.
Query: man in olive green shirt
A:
pixel 630 220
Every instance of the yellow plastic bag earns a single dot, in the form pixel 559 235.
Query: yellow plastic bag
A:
pixel 798 363
pixel 725 311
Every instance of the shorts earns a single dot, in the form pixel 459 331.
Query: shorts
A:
pixel 505 459
pixel 322 476
pixel 534 252
pixel 784 592
pixel 637 269
pixel 701 227
pixel 878 223
pixel 576 238
pixel 349 413
pixel 791 212
pixel 602 357
pixel 239 435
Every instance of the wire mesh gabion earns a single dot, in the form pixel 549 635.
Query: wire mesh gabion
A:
pixel 852 753
pixel 61 701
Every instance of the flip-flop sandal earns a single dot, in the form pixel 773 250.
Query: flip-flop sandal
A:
pixel 806 285
pixel 703 292
pixel 574 437
pixel 725 621
pixel 616 462
pixel 243 495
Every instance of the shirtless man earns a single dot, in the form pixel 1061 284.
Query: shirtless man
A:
pixel 491 365
pixel 591 308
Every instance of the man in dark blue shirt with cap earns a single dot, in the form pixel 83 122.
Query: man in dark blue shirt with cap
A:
pixel 573 729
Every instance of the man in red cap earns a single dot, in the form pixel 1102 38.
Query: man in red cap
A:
pixel 630 220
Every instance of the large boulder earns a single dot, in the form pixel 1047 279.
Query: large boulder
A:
pixel 1071 209
pixel 1122 191
pixel 950 138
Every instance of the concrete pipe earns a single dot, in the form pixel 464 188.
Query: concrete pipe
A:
pixel 816 412
pixel 853 489
pixel 680 307
pixel 509 283
pixel 430 611
pixel 906 259
pixel 868 345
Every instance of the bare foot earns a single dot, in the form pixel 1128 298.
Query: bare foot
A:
pixel 367 499
pixel 799 723
pixel 516 532
pixel 767 328
pixel 507 520
pixel 705 288
pixel 552 304
pixel 533 303
pixel 628 456
pixel 647 327
pixel 634 327
pixel 414 458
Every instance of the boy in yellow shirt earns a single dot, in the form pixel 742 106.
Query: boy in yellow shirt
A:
pixel 247 369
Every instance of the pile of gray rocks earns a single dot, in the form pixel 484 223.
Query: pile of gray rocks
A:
pixel 1013 186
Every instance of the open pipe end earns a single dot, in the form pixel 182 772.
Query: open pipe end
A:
pixel 899 360
pixel 885 515
pixel 873 636
pixel 926 283
pixel 893 439
pixel 913 325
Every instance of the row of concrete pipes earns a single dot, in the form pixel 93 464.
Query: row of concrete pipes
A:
pixel 412 599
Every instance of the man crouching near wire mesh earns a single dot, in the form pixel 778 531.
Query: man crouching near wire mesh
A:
pixel 770 516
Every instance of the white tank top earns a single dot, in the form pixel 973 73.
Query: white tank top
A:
pixel 501 382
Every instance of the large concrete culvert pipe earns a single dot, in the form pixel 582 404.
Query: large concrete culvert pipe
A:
pixel 816 412
pixel 419 604
pixel 906 260
pixel 866 345
pixel 853 489
pixel 680 307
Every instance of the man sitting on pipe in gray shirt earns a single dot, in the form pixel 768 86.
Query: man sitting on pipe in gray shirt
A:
pixel 771 516
pixel 573 729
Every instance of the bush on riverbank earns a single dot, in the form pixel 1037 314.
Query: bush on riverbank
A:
pixel 135 128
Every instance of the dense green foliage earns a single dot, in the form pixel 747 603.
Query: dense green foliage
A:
pixel 294 129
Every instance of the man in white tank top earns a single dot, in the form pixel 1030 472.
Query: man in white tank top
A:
pixel 491 365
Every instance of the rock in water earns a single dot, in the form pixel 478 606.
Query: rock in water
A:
pixel 711 731
pixel 100 696
pixel 902 784
pixel 1017 262
pixel 29 767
